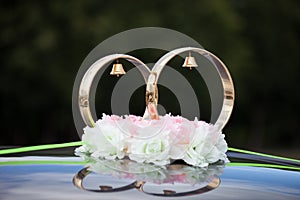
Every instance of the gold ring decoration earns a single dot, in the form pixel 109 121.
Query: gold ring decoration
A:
pixel 151 78
pixel 224 75
pixel 151 97
pixel 87 80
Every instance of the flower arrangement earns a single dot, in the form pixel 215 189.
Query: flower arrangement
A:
pixel 154 141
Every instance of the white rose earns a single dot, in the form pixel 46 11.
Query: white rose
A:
pixel 104 140
pixel 207 146
pixel 154 150
pixel 222 148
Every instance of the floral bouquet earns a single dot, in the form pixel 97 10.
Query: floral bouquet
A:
pixel 154 141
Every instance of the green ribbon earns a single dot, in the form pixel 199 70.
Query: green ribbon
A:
pixel 262 165
pixel 78 143
pixel 61 162
pixel 39 147
pixel 262 154
pixel 42 162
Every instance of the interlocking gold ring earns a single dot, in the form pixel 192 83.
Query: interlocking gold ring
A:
pixel 224 75
pixel 87 80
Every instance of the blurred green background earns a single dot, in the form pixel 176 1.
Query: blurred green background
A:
pixel 43 43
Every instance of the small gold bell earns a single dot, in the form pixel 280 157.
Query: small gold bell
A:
pixel 117 69
pixel 189 62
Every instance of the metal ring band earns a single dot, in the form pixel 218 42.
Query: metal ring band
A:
pixel 227 83
pixel 78 180
pixel 86 82
pixel 213 184
pixel 151 97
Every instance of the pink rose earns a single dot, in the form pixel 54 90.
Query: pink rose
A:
pixel 137 127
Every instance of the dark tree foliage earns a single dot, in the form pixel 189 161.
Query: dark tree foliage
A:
pixel 42 45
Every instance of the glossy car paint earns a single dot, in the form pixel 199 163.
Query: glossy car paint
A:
pixel 51 178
